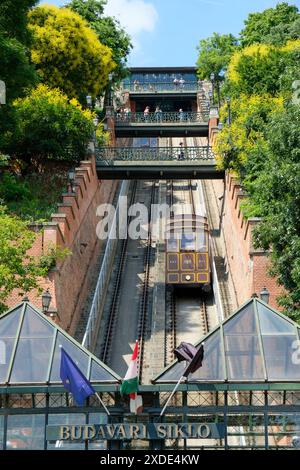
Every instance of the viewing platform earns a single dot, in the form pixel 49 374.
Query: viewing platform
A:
pixel 163 124
pixel 157 163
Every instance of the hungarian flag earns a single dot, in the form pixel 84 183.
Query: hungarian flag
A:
pixel 130 383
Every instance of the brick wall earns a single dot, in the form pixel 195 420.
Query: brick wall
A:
pixel 249 266
pixel 73 227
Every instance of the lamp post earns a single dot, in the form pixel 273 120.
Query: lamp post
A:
pixel 89 101
pixel 71 180
pixel 212 79
pixel 264 295
pixel 229 109
pixel 95 122
pixel 110 77
pixel 46 301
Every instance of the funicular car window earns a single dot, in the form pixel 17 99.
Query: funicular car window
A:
pixel 188 241
pixel 201 243
pixel 172 244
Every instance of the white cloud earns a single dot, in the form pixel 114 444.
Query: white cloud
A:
pixel 136 16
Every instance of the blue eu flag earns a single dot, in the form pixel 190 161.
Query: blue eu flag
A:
pixel 74 380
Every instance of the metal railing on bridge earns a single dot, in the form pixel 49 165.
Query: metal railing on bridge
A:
pixel 162 87
pixel 107 155
pixel 127 117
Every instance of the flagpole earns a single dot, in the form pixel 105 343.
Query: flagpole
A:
pixel 169 399
pixel 102 403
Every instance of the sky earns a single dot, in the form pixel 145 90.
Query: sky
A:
pixel 167 32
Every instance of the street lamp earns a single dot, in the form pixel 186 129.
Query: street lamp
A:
pixel 71 179
pixel 46 301
pixel 212 79
pixel 110 77
pixel 265 295
pixel 229 109
pixel 89 101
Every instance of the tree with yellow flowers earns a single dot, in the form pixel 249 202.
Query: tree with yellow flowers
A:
pixel 67 53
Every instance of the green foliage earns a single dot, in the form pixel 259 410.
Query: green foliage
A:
pixel 282 33
pixel 109 32
pixel 214 55
pixel 16 71
pixel 33 197
pixel 276 191
pixel 49 260
pixel 49 127
pixel 259 25
pixel 18 270
pixel 257 69
pixel 241 146
pixel 67 52
pixel 13 19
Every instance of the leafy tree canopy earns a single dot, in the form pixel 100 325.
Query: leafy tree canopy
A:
pixel 241 146
pixel 18 270
pixel 258 68
pixel 214 55
pixel 258 25
pixel 108 30
pixel 13 19
pixel 49 126
pixel 282 33
pixel 276 192
pixel 67 53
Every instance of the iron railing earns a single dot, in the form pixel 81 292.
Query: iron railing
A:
pixel 161 87
pixel 103 277
pixel 159 117
pixel 152 154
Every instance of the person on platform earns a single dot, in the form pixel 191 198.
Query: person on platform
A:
pixel 158 114
pixel 146 113
pixel 181 152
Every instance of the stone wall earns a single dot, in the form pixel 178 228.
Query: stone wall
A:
pixel 72 227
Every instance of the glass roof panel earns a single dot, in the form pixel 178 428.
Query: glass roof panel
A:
pixel 32 358
pixel 99 374
pixel 281 362
pixel 254 348
pixel 244 361
pixel 271 323
pixel 80 358
pixel 242 323
pixel 8 331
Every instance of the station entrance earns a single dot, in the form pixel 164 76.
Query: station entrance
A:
pixel 246 395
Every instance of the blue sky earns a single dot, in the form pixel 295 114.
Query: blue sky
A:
pixel 166 32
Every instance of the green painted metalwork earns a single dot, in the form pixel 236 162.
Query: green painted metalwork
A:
pixel 162 87
pixel 152 154
pixel 127 117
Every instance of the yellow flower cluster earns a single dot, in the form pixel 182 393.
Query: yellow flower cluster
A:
pixel 239 135
pixel 258 52
pixel 67 52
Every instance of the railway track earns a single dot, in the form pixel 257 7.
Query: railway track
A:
pixel 114 309
pixel 110 327
pixel 143 312
pixel 174 303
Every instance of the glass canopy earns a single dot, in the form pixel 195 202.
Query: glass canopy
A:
pixel 255 344
pixel 30 350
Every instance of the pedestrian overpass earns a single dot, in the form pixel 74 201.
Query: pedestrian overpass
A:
pixel 161 124
pixel 157 163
